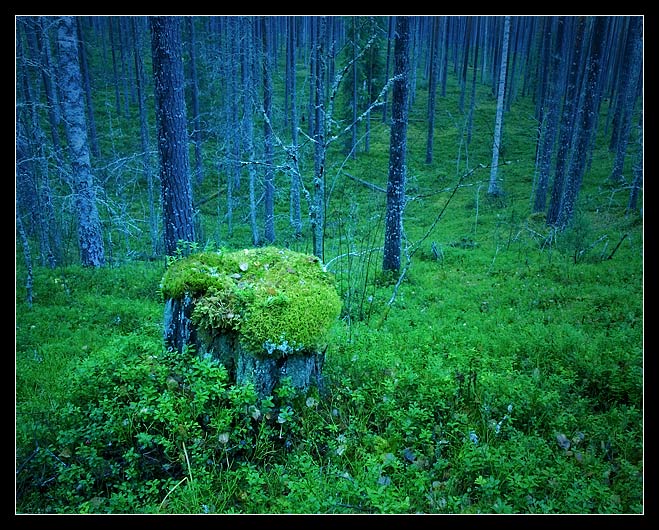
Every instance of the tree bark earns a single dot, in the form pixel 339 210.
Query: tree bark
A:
pixel 494 188
pixel 194 98
pixel 144 137
pixel 566 125
pixel 587 119
pixel 637 182
pixel 472 105
pixel 318 206
pixel 269 225
pixel 295 208
pixel 90 237
pixel 248 105
pixel 432 89
pixel 397 150
pixel 390 39
pixel 171 121
pixel 550 118
pixel 628 92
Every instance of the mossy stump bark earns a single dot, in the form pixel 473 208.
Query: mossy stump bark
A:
pixel 263 313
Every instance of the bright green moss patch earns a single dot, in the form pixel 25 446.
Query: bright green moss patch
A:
pixel 279 301
pixel 195 274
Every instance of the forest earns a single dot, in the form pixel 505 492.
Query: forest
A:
pixel 329 265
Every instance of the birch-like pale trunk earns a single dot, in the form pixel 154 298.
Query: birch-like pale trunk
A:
pixel 494 188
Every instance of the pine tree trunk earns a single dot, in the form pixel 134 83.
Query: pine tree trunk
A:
pixel 90 238
pixel 570 102
pixel 171 118
pixel 49 83
pixel 587 119
pixel 637 182
pixel 432 90
pixel 397 150
pixel 248 104
pixel 194 98
pixel 628 92
pixel 269 228
pixel 233 167
pixel 144 138
pixel 318 206
pixel 27 255
pixel 353 141
pixel 465 66
pixel 84 69
pixel 550 120
pixel 390 39
pixel 295 208
pixel 472 105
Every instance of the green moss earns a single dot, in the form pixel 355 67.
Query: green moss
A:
pixel 279 301
pixel 195 274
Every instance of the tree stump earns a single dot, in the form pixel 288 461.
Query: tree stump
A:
pixel 263 313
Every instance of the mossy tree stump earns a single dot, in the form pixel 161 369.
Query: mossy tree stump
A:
pixel 264 313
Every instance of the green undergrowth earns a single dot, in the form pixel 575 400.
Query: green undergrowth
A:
pixel 503 374
pixel 502 381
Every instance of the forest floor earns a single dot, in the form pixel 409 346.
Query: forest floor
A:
pixel 504 374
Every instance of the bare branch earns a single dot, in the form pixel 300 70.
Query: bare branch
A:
pixel 369 185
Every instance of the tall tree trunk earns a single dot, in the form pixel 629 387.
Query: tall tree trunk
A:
pixel 371 82
pixel 390 39
pixel 90 237
pixel 318 206
pixel 568 116
pixel 511 83
pixel 295 208
pixel 551 115
pixel 397 150
pixel 27 256
pixel 465 65
pixel 248 120
pixel 269 200
pixel 637 182
pixel 31 148
pixel 84 70
pixel 313 39
pixel 472 105
pixel 117 99
pixel 628 92
pixel 144 137
pixel 353 141
pixel 586 116
pixel 432 89
pixel 232 166
pixel 194 98
pixel 494 188
pixel 171 119
pixel 49 84
pixel 444 61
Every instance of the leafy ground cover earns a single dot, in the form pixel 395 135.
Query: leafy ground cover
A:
pixel 504 374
